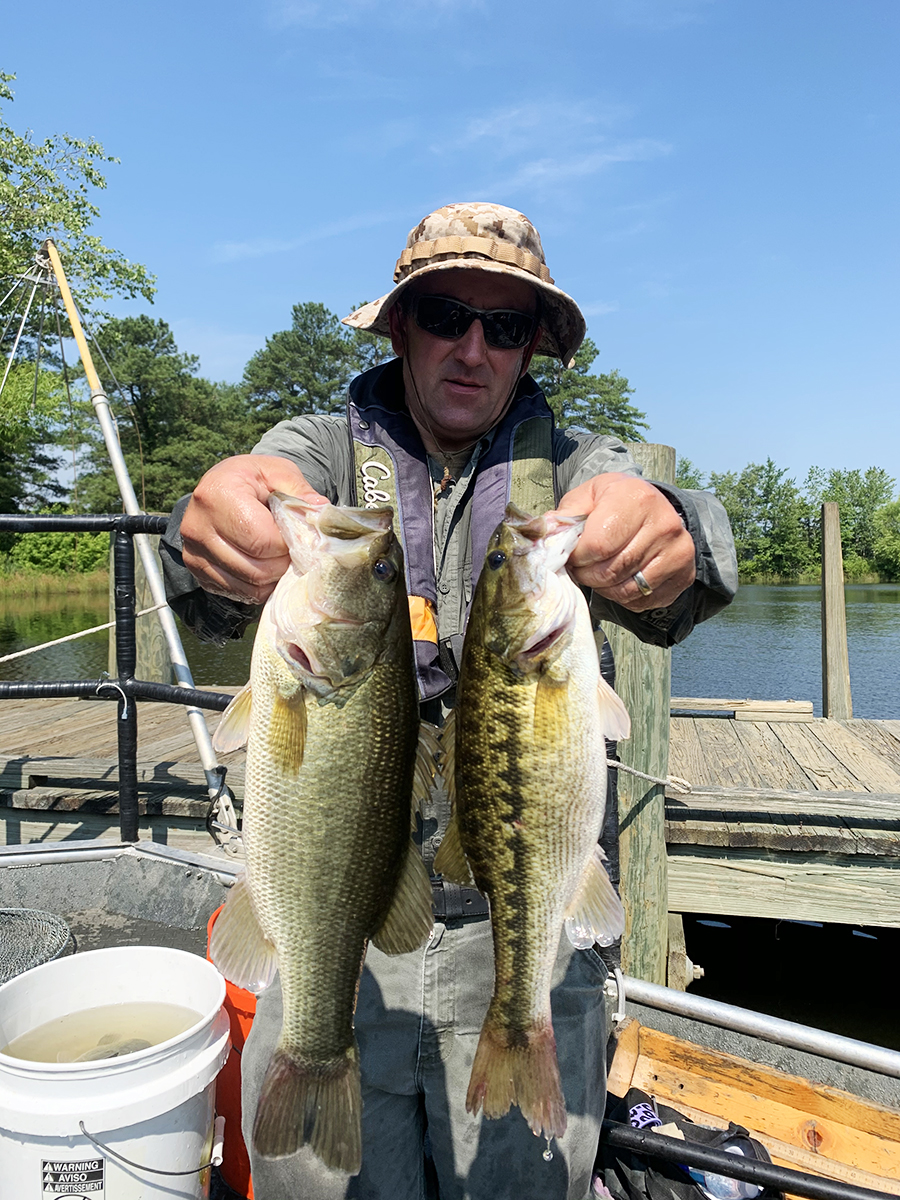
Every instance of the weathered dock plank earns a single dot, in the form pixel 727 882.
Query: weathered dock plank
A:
pixel 822 767
pixel 805 887
pixel 877 736
pixel 773 766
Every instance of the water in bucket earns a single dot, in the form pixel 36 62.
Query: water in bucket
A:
pixel 108 1031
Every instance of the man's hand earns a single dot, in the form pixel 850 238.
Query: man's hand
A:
pixel 630 527
pixel 232 545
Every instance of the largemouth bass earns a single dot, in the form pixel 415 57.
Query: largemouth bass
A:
pixel 330 717
pixel 529 765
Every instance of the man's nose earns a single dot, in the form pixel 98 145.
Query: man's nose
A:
pixel 471 348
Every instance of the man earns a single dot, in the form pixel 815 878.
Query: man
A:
pixel 448 432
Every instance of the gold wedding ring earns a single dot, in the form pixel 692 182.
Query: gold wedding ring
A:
pixel 642 585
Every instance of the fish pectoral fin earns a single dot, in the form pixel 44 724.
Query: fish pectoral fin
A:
pixel 409 920
pixel 428 752
pixel 596 913
pixel 615 722
pixel 232 730
pixel 450 860
pixel 237 945
pixel 447 739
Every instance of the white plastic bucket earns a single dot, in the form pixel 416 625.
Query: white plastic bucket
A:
pixel 154 1106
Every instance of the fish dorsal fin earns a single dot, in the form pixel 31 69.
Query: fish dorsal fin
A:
pixel 409 920
pixel 448 755
pixel 615 722
pixel 234 727
pixel 596 913
pixel 428 753
pixel 450 860
pixel 238 946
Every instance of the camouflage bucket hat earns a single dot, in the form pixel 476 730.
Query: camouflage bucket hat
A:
pixel 483 237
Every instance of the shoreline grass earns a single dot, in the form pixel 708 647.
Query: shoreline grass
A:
pixel 35 583
pixel 813 578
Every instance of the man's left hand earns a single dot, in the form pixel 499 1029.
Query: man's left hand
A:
pixel 631 527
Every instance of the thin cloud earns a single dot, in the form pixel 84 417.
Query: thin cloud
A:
pixel 321 14
pixel 600 309
pixel 549 174
pixel 657 15
pixel 225 252
pixel 516 128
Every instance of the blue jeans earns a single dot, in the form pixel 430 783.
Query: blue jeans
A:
pixel 418 1020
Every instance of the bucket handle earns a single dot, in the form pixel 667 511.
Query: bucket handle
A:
pixel 215 1160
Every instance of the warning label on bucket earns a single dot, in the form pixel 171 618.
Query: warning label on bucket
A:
pixel 83 1177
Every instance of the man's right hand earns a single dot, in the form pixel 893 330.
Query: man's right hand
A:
pixel 232 545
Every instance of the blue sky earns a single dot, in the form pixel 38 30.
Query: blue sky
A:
pixel 715 181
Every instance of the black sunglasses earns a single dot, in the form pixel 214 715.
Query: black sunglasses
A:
pixel 504 328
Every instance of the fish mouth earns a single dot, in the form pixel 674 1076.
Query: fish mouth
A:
pixel 541 643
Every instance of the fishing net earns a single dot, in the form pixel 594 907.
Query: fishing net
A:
pixel 29 937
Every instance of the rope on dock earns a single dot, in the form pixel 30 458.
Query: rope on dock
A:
pixel 70 637
pixel 681 786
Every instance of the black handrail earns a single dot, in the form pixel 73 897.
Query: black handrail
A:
pixel 125 689
pixel 693 1154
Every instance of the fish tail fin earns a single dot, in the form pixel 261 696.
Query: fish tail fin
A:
pixel 311 1105
pixel 525 1073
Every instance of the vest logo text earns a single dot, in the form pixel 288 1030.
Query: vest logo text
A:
pixel 373 473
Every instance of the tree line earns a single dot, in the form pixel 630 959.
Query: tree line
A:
pixel 173 424
pixel 777 522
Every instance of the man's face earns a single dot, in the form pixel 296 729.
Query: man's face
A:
pixel 457 390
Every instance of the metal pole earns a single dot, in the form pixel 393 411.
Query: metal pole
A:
pixel 772 1029
pixel 151 568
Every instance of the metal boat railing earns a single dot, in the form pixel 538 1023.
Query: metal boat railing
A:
pixel 125 689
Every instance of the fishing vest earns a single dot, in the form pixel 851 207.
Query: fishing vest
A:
pixel 391 467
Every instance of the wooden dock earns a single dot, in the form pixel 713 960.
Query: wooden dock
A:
pixel 790 816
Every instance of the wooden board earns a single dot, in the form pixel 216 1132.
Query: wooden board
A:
pixel 821 765
pixel 748 710
pixel 847 889
pixel 805 1122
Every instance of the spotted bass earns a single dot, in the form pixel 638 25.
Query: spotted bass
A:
pixel 529 770
pixel 330 717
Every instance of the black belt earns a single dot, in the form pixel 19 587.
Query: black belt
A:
pixel 454 903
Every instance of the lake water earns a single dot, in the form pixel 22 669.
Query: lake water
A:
pixel 765 646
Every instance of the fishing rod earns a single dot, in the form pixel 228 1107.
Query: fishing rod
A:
pixel 218 793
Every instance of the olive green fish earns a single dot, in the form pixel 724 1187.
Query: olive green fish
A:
pixel 529 765
pixel 330 717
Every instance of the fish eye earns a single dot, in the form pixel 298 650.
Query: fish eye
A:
pixel 384 570
pixel 497 559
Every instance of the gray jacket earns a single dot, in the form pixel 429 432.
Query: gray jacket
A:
pixel 321 448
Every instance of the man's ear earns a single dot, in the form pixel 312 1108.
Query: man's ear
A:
pixel 397 320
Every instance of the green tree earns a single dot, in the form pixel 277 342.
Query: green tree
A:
pixel 304 369
pixel 32 402
pixel 45 191
pixel 860 495
pixel 687 475
pixel 598 403
pixel 886 544
pixel 172 424
pixel 765 510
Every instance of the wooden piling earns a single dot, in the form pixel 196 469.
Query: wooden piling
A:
pixel 643 680
pixel 836 699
